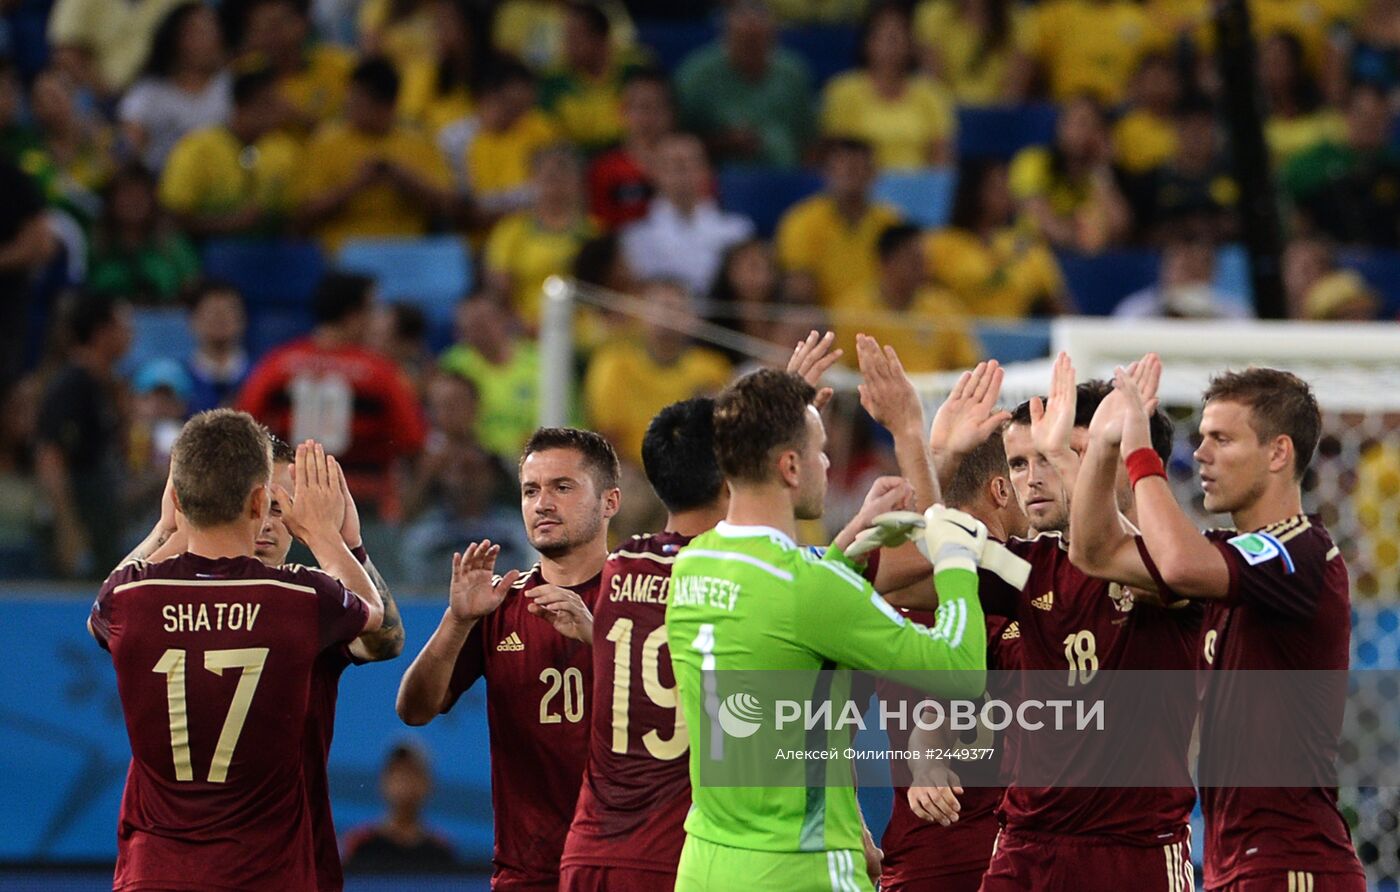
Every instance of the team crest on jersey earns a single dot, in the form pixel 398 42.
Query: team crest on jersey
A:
pixel 1121 596
pixel 511 643
pixel 1260 547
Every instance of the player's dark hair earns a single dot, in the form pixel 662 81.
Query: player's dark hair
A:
pixel 894 238
pixel 678 455
pixel 761 413
pixel 593 18
pixel 282 452
pixel 1279 402
pixel 598 454
pixel 217 460
pixel 89 316
pixel 340 296
pixel 1087 397
pixel 249 86
pixel 378 78
pixel 976 470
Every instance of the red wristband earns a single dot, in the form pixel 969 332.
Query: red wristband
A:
pixel 1144 462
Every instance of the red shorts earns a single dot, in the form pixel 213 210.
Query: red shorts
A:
pixel 969 881
pixel 1030 862
pixel 1296 881
pixel 588 878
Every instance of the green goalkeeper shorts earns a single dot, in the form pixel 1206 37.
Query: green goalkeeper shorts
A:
pixel 710 867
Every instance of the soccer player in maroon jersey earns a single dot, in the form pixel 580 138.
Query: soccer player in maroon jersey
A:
pixel 271 547
pixel 1277 598
pixel 628 828
pixel 1071 836
pixel 214 654
pixel 928 844
pixel 528 635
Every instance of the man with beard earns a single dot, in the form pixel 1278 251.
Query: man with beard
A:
pixel 528 635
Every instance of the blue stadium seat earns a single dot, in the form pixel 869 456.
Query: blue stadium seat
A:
pixel 157 334
pixel 828 50
pixel 1381 269
pixel 763 194
pixel 670 41
pixel 924 196
pixel 268 273
pixel 432 273
pixel 1097 282
pixel 1001 131
pixel 1014 341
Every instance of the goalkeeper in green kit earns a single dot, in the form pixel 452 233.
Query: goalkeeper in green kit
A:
pixel 745 596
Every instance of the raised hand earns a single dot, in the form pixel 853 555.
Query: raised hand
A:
pixel 1136 418
pixel 886 494
pixel 350 525
pixel 886 391
pixel 969 415
pixel 1107 424
pixel 811 358
pixel 1053 422
pixel 564 609
pixel 472 594
pixel 315 510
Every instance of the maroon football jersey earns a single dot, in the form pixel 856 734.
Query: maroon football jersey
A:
pixel 320 727
pixel 1288 608
pixel 538 687
pixel 214 661
pixel 917 850
pixel 636 789
pixel 1073 623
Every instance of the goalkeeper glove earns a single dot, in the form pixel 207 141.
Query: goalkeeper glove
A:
pixel 891 530
pixel 953 538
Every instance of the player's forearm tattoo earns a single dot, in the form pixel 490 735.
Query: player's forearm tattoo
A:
pixel 386 642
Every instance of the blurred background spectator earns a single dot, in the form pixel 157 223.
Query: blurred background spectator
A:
pixel 79 452
pixel 331 387
pixel 400 843
pixel 492 353
pixel 137 253
pixel 1186 289
pixel 748 98
pixel 219 363
pixel 619 183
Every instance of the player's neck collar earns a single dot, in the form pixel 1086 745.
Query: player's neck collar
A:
pixel 742 531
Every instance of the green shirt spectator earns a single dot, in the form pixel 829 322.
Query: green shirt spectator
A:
pixel 1351 191
pixel 135 255
pixel 750 100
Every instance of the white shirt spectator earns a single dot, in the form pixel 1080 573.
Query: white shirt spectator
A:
pixel 166 113
pixel 668 244
pixel 1193 301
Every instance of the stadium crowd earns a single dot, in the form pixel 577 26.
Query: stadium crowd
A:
pixel 771 166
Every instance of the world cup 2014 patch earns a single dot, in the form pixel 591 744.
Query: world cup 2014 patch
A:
pixel 1260 547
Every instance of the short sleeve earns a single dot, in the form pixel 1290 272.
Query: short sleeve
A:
pixel 100 618
pixel 341 615
pixel 470 665
pixel 1283 577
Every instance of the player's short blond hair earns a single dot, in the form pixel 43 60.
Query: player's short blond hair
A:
pixel 220 457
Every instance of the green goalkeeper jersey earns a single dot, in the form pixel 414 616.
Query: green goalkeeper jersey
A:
pixel 746 598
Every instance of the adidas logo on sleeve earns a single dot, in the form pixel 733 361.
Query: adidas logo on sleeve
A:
pixel 511 643
pixel 1045 601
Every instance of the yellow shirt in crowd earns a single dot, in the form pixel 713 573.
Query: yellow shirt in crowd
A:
pixel 317 91
pixel 334 157
pixel 533 30
pixel 420 102
pixel 1004 278
pixel 1092 47
pixel 900 130
pixel 1032 175
pixel 118 34
pixel 932 335
pixel 500 162
pixel 405 41
pixel 528 253
pixel 211 172
pixel 624 388
pixel 814 238
pixel 975 76
pixel 1142 141
pixel 1288 137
